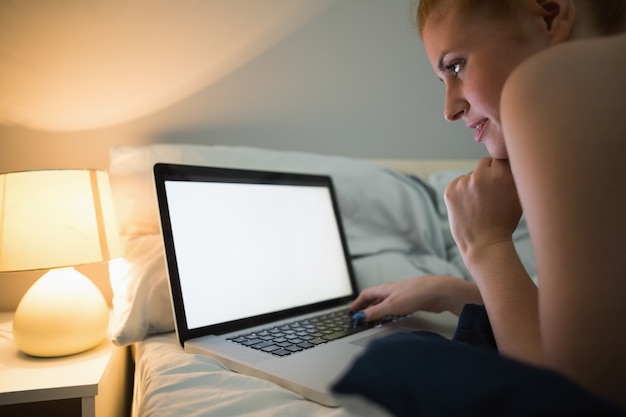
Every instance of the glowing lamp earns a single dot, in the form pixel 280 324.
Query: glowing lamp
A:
pixel 54 220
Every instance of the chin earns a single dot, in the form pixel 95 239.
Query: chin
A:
pixel 497 152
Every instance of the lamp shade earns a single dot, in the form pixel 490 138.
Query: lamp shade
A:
pixel 56 218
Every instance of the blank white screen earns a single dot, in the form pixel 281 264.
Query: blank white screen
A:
pixel 248 249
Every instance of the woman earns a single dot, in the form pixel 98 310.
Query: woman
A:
pixel 550 117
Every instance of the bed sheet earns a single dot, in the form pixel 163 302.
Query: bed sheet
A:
pixel 169 382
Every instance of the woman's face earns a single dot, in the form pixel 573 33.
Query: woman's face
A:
pixel 473 56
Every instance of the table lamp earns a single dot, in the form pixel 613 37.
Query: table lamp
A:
pixel 54 220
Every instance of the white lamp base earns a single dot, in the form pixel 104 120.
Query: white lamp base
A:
pixel 63 313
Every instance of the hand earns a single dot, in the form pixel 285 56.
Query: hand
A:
pixel 483 206
pixel 432 293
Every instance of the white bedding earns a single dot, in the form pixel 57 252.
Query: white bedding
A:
pixel 396 225
pixel 170 382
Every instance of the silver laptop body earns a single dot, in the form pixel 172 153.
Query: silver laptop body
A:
pixel 248 251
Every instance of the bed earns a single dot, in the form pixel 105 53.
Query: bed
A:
pixel 396 225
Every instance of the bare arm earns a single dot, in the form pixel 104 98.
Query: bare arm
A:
pixel 566 140
pixel 433 293
pixel 484 211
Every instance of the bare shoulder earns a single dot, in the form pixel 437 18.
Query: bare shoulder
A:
pixel 569 93
pixel 578 76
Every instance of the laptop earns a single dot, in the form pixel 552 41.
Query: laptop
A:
pixel 249 253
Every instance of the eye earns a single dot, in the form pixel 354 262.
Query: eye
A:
pixel 455 67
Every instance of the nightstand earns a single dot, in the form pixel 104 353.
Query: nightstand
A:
pixel 96 383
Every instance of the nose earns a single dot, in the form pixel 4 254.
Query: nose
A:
pixel 455 106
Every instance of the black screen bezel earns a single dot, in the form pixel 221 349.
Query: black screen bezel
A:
pixel 177 172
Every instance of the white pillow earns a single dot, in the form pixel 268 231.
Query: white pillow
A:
pixel 141 297
pixel 383 211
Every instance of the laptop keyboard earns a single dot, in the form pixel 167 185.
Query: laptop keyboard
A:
pixel 304 334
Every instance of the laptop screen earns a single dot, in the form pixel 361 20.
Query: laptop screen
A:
pixel 248 245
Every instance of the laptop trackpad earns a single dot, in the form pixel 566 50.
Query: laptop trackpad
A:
pixel 364 341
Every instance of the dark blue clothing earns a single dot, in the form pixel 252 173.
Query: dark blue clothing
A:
pixel 474 327
pixel 425 374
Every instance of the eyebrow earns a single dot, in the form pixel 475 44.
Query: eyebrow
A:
pixel 440 66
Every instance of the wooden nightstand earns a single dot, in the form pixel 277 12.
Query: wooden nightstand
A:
pixel 96 383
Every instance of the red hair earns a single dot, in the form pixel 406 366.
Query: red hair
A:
pixel 608 16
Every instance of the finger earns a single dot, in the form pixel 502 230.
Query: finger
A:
pixel 485 162
pixel 365 299
pixel 357 305
pixel 376 312
pixel 451 188
pixel 503 164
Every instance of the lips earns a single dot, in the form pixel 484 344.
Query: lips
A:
pixel 479 128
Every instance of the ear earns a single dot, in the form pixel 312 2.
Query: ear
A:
pixel 557 18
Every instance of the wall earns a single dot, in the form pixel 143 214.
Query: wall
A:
pixel 346 77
